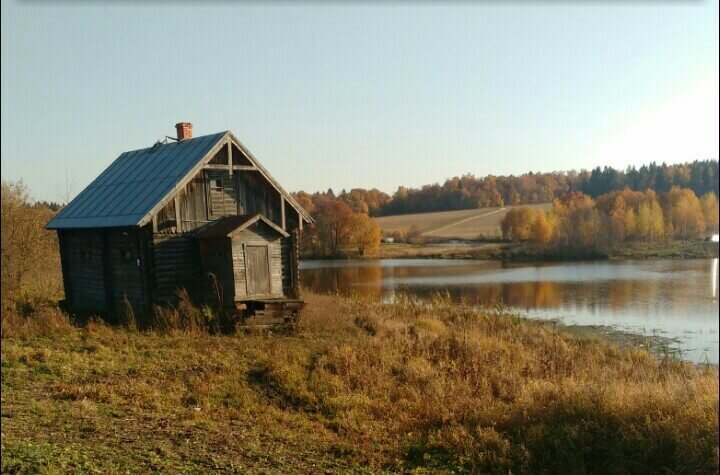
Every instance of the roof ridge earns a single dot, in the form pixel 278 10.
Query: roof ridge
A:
pixel 158 147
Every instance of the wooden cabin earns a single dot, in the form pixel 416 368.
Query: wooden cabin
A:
pixel 197 215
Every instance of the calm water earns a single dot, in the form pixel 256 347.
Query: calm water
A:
pixel 677 299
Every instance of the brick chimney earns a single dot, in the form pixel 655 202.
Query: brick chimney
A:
pixel 184 131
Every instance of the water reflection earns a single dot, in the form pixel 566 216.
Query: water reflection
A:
pixel 668 298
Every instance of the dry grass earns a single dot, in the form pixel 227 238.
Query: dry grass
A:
pixel 461 224
pixel 358 387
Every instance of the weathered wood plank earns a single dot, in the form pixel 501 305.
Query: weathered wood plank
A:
pixel 215 166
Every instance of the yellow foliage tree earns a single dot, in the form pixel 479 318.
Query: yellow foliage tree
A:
pixel 643 221
pixel 685 213
pixel 657 221
pixel 517 223
pixel 542 228
pixel 709 206
pixel 365 234
pixel 630 224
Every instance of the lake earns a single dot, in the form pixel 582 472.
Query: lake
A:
pixel 675 299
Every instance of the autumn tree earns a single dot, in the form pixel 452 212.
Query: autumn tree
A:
pixel 517 223
pixel 30 257
pixel 365 234
pixel 685 213
pixel 709 206
pixel 542 228
pixel 643 221
pixel 576 220
pixel 332 225
pixel 650 223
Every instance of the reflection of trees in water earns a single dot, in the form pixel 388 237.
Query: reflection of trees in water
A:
pixel 365 280
pixel 673 294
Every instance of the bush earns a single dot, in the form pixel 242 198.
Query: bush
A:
pixel 30 256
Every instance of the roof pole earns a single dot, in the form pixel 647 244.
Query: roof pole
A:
pixel 229 154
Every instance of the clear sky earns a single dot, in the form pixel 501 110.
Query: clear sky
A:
pixel 345 95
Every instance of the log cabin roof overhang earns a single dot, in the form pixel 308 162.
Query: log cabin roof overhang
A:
pixel 228 226
pixel 139 183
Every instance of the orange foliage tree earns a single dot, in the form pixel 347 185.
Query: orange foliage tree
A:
pixel 338 230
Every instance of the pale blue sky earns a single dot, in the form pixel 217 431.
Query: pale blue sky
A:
pixel 347 95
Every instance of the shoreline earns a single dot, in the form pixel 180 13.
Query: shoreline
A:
pixel 529 252
pixel 659 346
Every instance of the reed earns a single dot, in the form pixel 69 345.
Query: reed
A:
pixel 359 386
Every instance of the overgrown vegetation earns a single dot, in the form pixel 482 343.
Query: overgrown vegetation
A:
pixel 359 386
pixel 30 256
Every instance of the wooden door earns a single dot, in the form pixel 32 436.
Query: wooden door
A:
pixel 257 268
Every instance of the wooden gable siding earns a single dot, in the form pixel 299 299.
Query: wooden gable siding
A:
pixel 222 200
pixel 257 196
pixel 191 209
pixel 238 158
pixel 242 193
pixel 257 235
pixel 193 204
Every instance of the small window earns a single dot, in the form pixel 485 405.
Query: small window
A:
pixel 216 184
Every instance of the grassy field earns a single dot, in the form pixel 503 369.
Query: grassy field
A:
pixel 357 387
pixel 461 224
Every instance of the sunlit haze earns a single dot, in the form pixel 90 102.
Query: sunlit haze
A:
pixel 349 95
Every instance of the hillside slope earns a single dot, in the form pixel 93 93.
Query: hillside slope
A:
pixel 460 224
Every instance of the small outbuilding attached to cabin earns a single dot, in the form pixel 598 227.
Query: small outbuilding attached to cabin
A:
pixel 199 216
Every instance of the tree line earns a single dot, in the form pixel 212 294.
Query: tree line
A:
pixel 577 221
pixel 470 192
pixel 342 227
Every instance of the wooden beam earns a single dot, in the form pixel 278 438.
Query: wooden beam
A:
pixel 154 224
pixel 213 166
pixel 282 211
pixel 184 181
pixel 178 224
pixel 251 158
pixel 300 220
pixel 229 154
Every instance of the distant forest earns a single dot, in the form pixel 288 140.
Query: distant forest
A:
pixel 470 192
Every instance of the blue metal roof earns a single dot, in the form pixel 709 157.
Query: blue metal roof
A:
pixel 133 184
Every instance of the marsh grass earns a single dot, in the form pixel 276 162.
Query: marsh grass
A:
pixel 359 386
